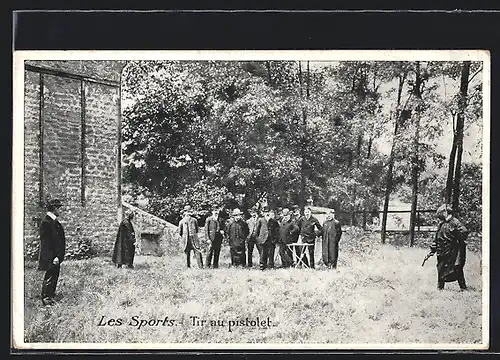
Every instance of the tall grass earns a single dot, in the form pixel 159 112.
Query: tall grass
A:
pixel 378 294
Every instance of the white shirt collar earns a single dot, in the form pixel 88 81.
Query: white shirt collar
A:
pixel 51 215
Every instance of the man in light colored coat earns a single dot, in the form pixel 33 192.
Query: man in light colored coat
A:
pixel 188 231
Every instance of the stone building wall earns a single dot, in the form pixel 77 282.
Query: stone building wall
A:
pixel 154 236
pixel 72 149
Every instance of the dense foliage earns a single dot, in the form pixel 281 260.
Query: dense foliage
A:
pixel 238 133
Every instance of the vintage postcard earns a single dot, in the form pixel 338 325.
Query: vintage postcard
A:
pixel 251 200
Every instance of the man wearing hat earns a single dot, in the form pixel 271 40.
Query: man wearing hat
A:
pixel 251 222
pixel 213 235
pixel 450 247
pixel 288 231
pixel 237 232
pixel 262 238
pixel 330 240
pixel 52 250
pixel 274 235
pixel 296 216
pixel 124 249
pixel 188 231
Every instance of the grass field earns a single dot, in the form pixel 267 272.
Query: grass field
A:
pixel 378 294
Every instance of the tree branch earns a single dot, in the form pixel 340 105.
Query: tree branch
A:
pixel 473 75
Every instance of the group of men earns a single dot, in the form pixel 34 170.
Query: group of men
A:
pixel 266 231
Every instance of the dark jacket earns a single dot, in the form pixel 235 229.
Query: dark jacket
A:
pixel 288 231
pixel 237 232
pixel 307 229
pixel 274 230
pixel 52 243
pixel 124 244
pixel 212 230
pixel 332 232
pixel 261 231
pixel 450 248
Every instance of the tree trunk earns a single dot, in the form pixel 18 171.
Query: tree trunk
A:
pixel 464 81
pixel 268 68
pixel 357 156
pixel 414 172
pixel 389 179
pixel 369 151
pixel 451 166
pixel 302 196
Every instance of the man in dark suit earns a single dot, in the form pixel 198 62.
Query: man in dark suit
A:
pixel 288 229
pixel 237 233
pixel 274 236
pixel 52 250
pixel 310 228
pixel 262 239
pixel 213 236
pixel 251 244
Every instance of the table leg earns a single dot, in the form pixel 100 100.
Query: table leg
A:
pixel 302 254
pixel 294 255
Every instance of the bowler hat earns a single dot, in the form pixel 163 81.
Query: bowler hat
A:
pixel 236 212
pixel 54 204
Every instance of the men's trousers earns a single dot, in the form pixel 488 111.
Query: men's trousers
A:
pixel 263 255
pixel 286 256
pixel 309 261
pixel 214 252
pixel 238 255
pixel 250 246
pixel 270 254
pixel 197 255
pixel 50 281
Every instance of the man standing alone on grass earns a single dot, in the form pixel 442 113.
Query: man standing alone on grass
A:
pixel 330 241
pixel 307 225
pixel 237 232
pixel 124 250
pixel 214 238
pixel 450 247
pixel 288 230
pixel 52 250
pixel 188 231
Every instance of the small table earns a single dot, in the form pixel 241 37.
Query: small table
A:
pixel 302 251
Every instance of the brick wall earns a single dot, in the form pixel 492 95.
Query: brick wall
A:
pixel 73 131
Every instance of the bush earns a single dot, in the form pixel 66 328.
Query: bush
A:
pixel 32 249
pixel 82 249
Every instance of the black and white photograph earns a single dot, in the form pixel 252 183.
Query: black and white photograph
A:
pixel 251 199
